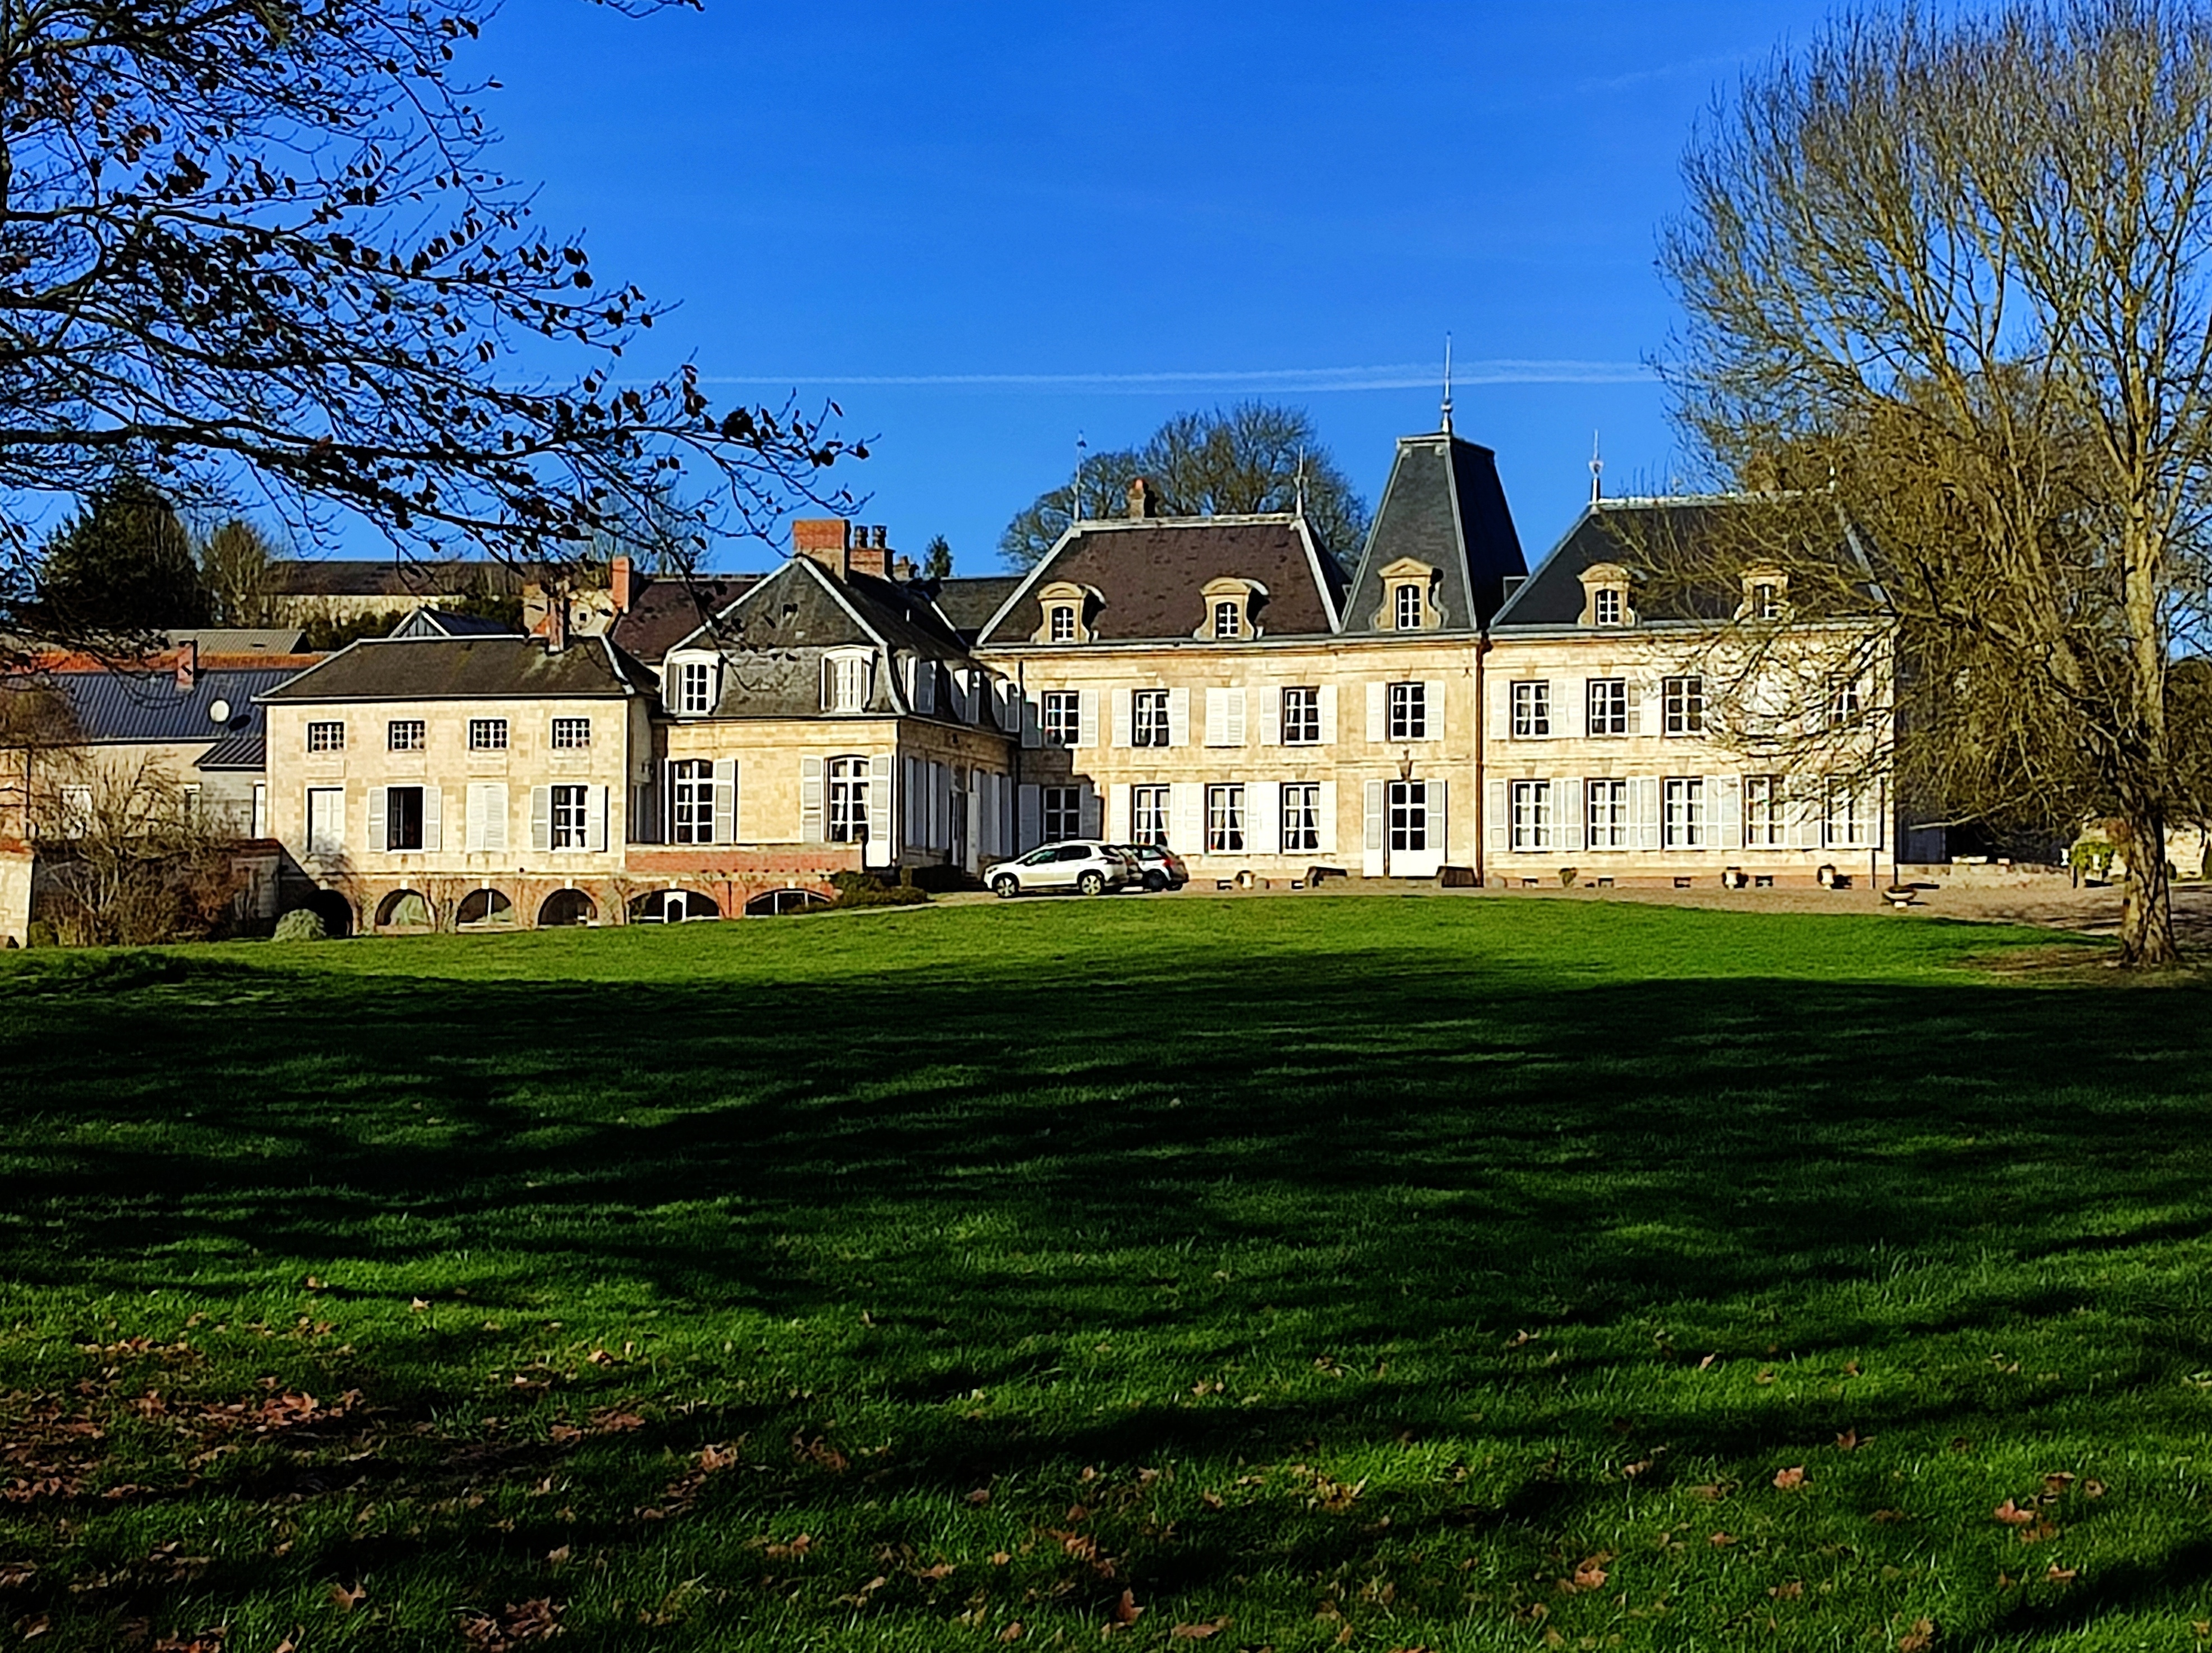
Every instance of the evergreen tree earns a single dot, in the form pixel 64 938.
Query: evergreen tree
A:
pixel 124 565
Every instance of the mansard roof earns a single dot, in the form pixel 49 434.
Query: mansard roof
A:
pixel 1149 573
pixel 466 668
pixel 1443 507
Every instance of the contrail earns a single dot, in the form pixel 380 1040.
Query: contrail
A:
pixel 1394 376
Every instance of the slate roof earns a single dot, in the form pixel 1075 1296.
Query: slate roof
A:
pixel 1622 530
pixel 389 577
pixel 1443 506
pixel 248 750
pixel 662 613
pixel 968 602
pixel 467 668
pixel 238 640
pixel 438 623
pixel 147 707
pixel 1149 572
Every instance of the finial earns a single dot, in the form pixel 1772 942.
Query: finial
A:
pixel 1302 481
pixel 1082 447
pixel 1447 383
pixel 1597 470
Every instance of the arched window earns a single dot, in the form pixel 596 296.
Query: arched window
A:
pixel 848 800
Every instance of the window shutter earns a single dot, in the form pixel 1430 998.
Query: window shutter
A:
pixel 1123 717
pixel 1567 814
pixel 1032 720
pixel 541 818
pixel 1432 696
pixel 668 682
pixel 1178 717
pixel 810 800
pixel 1092 826
pixel 1032 820
pixel 1567 709
pixel 1371 862
pixel 925 686
pixel 1117 815
pixel 1086 717
pixel 1233 730
pixel 1635 694
pixel 1645 791
pixel 1328 818
pixel 1500 822
pixel 1439 819
pixel 1216 717
pixel 1328 713
pixel 882 848
pixel 1804 832
pixel 495 816
pixel 726 800
pixel 473 840
pixel 910 830
pixel 377 818
pixel 1188 835
pixel 595 820
pixel 1271 717
pixel 1263 817
pixel 829 684
pixel 1725 792
pixel 1379 716
pixel 434 818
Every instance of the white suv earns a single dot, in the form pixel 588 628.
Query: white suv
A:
pixel 1079 865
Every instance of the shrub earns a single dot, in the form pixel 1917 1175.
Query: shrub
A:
pixel 2092 856
pixel 40 933
pixel 867 890
pixel 301 924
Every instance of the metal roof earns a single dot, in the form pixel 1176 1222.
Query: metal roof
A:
pixel 119 708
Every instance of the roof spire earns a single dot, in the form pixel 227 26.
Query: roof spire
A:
pixel 1075 493
pixel 1302 481
pixel 1447 383
pixel 1597 470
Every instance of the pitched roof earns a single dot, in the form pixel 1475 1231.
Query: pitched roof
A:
pixel 663 612
pixel 467 668
pixel 438 622
pixel 246 750
pixel 967 602
pixel 390 577
pixel 238 640
pixel 147 708
pixel 1149 572
pixel 1443 506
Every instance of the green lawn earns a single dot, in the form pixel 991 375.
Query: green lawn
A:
pixel 1294 1274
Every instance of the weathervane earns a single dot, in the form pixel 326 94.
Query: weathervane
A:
pixel 1302 481
pixel 1597 468
pixel 1447 383
pixel 1075 509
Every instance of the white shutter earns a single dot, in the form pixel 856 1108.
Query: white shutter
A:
pixel 1501 820
pixel 376 818
pixel 1032 820
pixel 1328 818
pixel 1271 717
pixel 1635 693
pixel 1567 814
pixel 434 818
pixel 1725 793
pixel 1432 696
pixel 882 848
pixel 1232 732
pixel 1439 821
pixel 1804 832
pixel 1178 717
pixel 1379 711
pixel 1032 720
pixel 1263 817
pixel 810 800
pixel 493 803
pixel 726 800
pixel 1092 826
pixel 541 818
pixel 1216 717
pixel 829 684
pixel 1117 815
pixel 595 820
pixel 1086 724
pixel 1644 793
pixel 1370 861
pixel 1568 707
pixel 1328 713
pixel 1122 701
pixel 473 832
pixel 1188 800
pixel 910 830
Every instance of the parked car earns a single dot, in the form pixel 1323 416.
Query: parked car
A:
pixel 1158 867
pixel 1081 864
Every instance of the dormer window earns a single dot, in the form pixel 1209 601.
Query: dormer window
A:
pixel 1228 620
pixel 1605 605
pixel 695 694
pixel 1605 596
pixel 1766 595
pixel 1232 610
pixel 845 682
pixel 1407 608
pixel 1063 623
pixel 1067 612
pixel 1408 598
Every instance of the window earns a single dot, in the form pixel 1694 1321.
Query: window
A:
pixel 1408 811
pixel 1148 815
pixel 1684 700
pixel 325 820
pixel 402 818
pixel 1609 706
pixel 326 737
pixel 1405 608
pixel 487 734
pixel 1763 812
pixel 1532 710
pixel 1225 819
pixel 1844 707
pixel 1063 717
pixel 571 734
pixel 691 801
pixel 1063 812
pixel 1531 815
pixel 1409 711
pixel 845 683
pixel 848 800
pixel 1062 623
pixel 1302 717
pixel 1765 600
pixel 1605 605
pixel 569 805
pixel 1608 815
pixel 404 735
pixel 1149 718
pixel 1301 818
pixel 73 816
pixel 695 689
pixel 1682 818
pixel 1848 820
pixel 1228 620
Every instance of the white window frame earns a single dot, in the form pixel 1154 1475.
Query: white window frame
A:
pixel 571 734
pixel 1607 605
pixel 1765 812
pixel 1225 818
pixel 1406 607
pixel 1605 707
pixel 846 681
pixel 1532 710
pixel 333 839
pixel 1149 724
pixel 1530 805
pixel 1062 717
pixel 1847 817
pixel 1682 820
pixel 695 688
pixel 1301 808
pixel 1845 707
pixel 1060 810
pixel 568 815
pixel 1682 701
pixel 1609 818
pixel 1060 624
pixel 488 734
pixel 406 735
pixel 691 801
pixel 1151 810
pixel 846 817
pixel 1406 815
pixel 1408 712
pixel 391 796
pixel 1302 717
pixel 1764 602
pixel 1228 620
pixel 327 736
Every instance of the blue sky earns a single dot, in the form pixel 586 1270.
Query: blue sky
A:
pixel 984 229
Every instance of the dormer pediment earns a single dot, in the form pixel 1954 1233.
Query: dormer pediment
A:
pixel 1607 597
pixel 1069 610
pixel 1410 589
pixel 1230 609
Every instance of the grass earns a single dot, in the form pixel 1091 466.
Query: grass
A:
pixel 1380 1273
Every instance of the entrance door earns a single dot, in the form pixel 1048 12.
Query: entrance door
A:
pixel 1413 828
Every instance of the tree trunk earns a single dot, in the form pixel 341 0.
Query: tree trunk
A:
pixel 2146 906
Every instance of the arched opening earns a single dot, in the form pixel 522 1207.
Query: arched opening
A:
pixel 774 903
pixel 672 907
pixel 567 908
pixel 484 907
pixel 335 911
pixel 403 910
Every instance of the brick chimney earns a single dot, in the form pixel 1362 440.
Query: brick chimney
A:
pixel 871 554
pixel 618 583
pixel 556 620
pixel 188 667
pixel 826 539
pixel 1143 501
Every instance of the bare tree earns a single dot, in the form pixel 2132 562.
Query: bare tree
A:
pixel 126 859
pixel 254 247
pixel 1950 274
pixel 238 568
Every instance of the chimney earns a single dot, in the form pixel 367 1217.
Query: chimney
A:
pixel 869 553
pixel 556 620
pixel 618 583
pixel 1143 502
pixel 902 569
pixel 188 667
pixel 825 539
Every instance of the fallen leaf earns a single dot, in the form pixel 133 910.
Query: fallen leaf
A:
pixel 980 1497
pixel 1591 1574
pixel 2057 1484
pixel 1789 1480
pixel 554 1558
pixel 1848 1441
pixel 1197 1633
pixel 419 1304
pixel 1711 1493
pixel 1707 1364
pixel 314 1285
pixel 2059 1575
pixel 1922 1634
pixel 1891 1517
pixel 1210 1500
pixel 348 1599
pixel 1720 1540
pixel 999 1557
pixel 1012 1632
pixel 2011 1515
pixel 2092 1489
pixel 1789 1592
pixel 1126 1611
pixel 942 1570
pixel 1765 1375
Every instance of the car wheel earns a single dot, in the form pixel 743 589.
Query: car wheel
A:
pixel 1005 886
pixel 1091 883
pixel 1156 882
